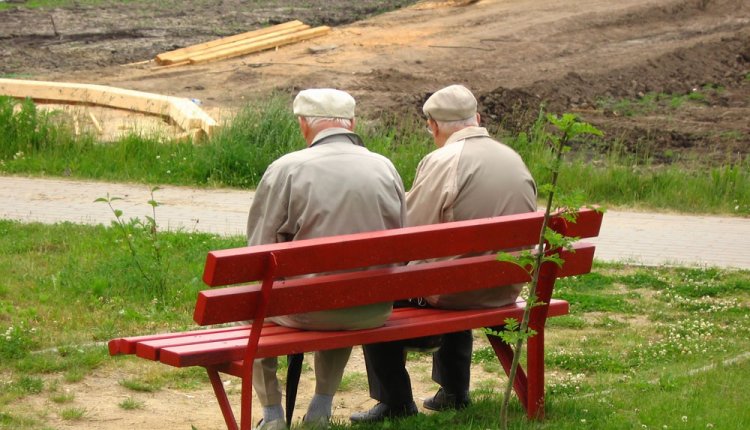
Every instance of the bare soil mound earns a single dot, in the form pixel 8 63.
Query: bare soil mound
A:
pixel 583 57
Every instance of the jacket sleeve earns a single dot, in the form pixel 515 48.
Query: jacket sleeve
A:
pixel 269 211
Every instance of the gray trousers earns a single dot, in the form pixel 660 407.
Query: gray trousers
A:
pixel 329 369
pixel 329 365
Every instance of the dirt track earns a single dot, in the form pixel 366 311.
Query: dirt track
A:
pixel 573 56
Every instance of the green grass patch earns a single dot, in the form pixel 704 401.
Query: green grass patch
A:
pixel 567 321
pixel 139 386
pixel 13 421
pixel 62 397
pixel 49 4
pixel 651 102
pixel 354 381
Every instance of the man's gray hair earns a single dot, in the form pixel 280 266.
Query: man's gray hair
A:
pixel 343 122
pixel 462 123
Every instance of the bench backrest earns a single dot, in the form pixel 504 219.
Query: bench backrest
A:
pixel 351 253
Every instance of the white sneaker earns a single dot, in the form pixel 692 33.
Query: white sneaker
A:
pixel 271 425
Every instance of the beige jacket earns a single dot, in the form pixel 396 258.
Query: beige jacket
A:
pixel 472 176
pixel 336 186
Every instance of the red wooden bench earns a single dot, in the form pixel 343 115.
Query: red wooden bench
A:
pixel 231 350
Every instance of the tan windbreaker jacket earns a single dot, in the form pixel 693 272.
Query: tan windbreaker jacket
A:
pixel 472 176
pixel 336 186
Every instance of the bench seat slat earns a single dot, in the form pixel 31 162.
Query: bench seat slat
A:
pixel 373 286
pixel 420 323
pixel 238 265
pixel 127 345
pixel 149 348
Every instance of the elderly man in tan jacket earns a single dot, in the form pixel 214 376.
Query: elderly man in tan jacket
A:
pixel 470 176
pixel 334 186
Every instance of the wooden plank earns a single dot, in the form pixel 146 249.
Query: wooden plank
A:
pixel 184 57
pixel 127 345
pixel 87 93
pixel 149 349
pixel 190 116
pixel 247 264
pixel 171 65
pixel 169 57
pixel 445 321
pixel 148 346
pixel 95 122
pixel 260 46
pixel 373 286
pixel 183 112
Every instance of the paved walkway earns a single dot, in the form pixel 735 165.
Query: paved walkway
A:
pixel 634 237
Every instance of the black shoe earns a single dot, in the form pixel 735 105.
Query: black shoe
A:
pixel 381 411
pixel 443 400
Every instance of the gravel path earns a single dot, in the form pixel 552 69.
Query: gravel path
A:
pixel 634 237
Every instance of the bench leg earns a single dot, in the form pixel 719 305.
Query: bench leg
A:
pixel 535 371
pixel 221 396
pixel 504 353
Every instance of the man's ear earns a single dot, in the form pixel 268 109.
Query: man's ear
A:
pixel 479 119
pixel 354 122
pixel 304 128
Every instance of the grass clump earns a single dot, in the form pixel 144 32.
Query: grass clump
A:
pixel 62 397
pixel 130 404
pixel 72 414
pixel 139 386
pixel 651 102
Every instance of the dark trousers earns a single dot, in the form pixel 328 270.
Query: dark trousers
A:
pixel 389 380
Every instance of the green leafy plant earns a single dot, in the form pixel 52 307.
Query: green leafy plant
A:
pixel 144 245
pixel 16 341
pixel 569 127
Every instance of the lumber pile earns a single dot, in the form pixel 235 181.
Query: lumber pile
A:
pixel 183 112
pixel 242 44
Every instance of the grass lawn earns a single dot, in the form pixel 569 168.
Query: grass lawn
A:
pixel 649 347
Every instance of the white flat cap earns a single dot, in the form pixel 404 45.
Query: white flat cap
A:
pixel 324 102
pixel 452 103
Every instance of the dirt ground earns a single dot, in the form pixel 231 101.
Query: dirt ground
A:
pixel 99 396
pixel 573 55
pixel 579 56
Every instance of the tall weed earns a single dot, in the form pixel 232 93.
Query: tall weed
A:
pixel 23 129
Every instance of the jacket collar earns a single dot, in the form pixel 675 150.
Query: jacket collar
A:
pixel 467 133
pixel 336 134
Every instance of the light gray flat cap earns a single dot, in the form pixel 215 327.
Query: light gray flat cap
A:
pixel 452 103
pixel 324 102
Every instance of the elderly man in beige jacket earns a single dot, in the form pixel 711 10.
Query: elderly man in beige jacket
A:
pixel 470 176
pixel 334 186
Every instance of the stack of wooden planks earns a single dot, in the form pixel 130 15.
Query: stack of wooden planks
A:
pixel 183 112
pixel 241 44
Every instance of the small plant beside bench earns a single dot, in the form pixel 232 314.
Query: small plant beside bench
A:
pixel 368 268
